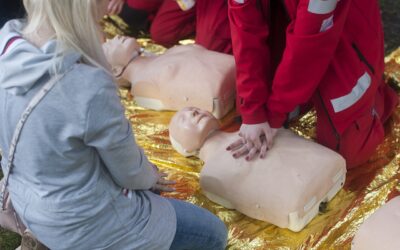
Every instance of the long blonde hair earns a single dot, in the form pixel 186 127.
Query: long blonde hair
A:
pixel 74 24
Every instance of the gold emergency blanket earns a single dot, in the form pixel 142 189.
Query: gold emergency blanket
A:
pixel 366 188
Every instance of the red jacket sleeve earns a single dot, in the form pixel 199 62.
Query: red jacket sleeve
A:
pixel 311 40
pixel 249 29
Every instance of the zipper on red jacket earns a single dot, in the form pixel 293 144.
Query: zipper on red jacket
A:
pixel 330 122
pixel 362 58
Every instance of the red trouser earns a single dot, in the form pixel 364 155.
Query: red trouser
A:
pixel 212 28
pixel 358 142
pixel 169 23
pixel 208 19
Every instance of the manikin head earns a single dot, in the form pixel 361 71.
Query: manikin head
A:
pixel 189 129
pixel 119 50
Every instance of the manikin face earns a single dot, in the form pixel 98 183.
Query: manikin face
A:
pixel 120 50
pixel 191 126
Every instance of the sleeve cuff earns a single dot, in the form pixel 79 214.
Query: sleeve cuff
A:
pixel 257 116
pixel 276 120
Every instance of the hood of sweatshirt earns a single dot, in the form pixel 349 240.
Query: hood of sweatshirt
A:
pixel 22 64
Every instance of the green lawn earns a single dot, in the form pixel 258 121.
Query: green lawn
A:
pixel 8 240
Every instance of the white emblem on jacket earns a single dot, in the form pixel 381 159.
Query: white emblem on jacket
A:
pixel 322 6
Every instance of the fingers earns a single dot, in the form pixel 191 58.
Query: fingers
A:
pixel 243 147
pixel 120 6
pixel 264 148
pixel 163 188
pixel 111 8
pixel 252 150
pixel 162 185
pixel 256 139
pixel 114 10
pixel 235 145
pixel 243 150
pixel 162 174
pixel 252 154
pixel 115 7
pixel 247 148
pixel 269 143
pixel 256 142
pixel 163 181
pixel 269 137
pixel 253 145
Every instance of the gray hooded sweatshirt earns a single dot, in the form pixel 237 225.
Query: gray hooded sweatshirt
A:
pixel 75 154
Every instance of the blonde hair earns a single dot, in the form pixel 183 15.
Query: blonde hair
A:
pixel 74 24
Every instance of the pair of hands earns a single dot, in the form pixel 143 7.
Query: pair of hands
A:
pixel 255 139
pixel 162 184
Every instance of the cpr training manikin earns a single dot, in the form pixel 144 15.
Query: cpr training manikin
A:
pixel 285 188
pixel 381 230
pixel 185 75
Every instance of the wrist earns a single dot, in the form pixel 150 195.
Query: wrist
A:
pixel 276 120
pixel 251 119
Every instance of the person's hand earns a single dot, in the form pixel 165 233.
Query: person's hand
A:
pixel 115 7
pixel 255 139
pixel 162 184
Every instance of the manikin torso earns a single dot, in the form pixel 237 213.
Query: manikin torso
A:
pixel 184 76
pixel 284 189
pixel 381 230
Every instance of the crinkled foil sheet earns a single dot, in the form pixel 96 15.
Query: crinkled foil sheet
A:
pixel 366 189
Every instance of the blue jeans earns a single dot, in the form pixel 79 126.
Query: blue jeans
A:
pixel 197 228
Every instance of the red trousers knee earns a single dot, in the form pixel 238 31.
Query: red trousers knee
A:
pixel 359 141
pixel 208 20
pixel 172 24
pixel 169 22
pixel 212 27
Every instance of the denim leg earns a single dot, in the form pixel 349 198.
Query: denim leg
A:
pixel 197 228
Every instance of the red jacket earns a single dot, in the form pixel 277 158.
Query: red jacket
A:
pixel 333 51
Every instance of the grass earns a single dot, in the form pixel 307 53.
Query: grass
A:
pixel 8 240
